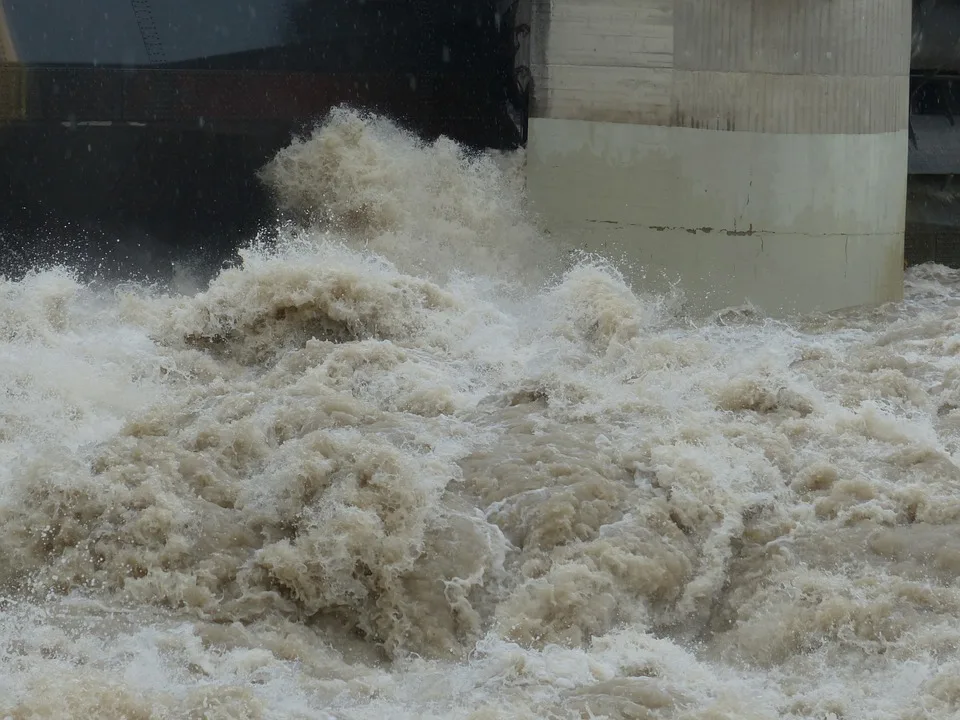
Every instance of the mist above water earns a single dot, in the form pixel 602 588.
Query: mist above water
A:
pixel 411 461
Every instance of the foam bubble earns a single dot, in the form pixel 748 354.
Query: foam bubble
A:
pixel 368 473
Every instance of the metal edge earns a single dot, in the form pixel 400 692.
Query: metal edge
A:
pixel 8 50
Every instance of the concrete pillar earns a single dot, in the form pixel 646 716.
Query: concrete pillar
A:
pixel 754 149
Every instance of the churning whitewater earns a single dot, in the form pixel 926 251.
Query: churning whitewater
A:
pixel 412 461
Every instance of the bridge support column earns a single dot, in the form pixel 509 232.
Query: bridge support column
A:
pixel 754 149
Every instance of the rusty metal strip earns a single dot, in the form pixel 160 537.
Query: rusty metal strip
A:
pixel 13 84
pixel 8 51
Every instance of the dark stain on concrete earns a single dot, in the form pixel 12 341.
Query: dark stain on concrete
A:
pixel 707 230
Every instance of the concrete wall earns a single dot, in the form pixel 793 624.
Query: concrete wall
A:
pixel 755 149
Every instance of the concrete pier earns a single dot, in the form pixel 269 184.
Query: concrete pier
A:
pixel 756 150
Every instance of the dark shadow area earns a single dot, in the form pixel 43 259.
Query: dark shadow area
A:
pixel 463 51
pixel 933 220
pixel 933 196
pixel 121 202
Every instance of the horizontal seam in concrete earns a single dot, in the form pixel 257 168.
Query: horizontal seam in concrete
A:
pixel 612 64
pixel 722 72
pixel 686 128
pixel 539 118
pixel 736 233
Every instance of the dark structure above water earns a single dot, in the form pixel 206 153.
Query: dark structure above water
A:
pixel 131 130
pixel 933 200
pixel 230 66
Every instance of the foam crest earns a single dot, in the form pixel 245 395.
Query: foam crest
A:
pixel 431 208
pixel 275 304
pixel 362 474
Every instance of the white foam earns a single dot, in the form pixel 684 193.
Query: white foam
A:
pixel 372 474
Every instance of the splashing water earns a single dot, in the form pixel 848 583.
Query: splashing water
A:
pixel 405 464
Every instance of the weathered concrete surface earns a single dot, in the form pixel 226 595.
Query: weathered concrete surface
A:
pixel 757 150
pixel 736 216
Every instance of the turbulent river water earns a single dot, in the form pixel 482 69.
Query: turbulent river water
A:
pixel 416 463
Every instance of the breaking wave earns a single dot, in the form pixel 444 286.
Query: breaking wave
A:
pixel 411 461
